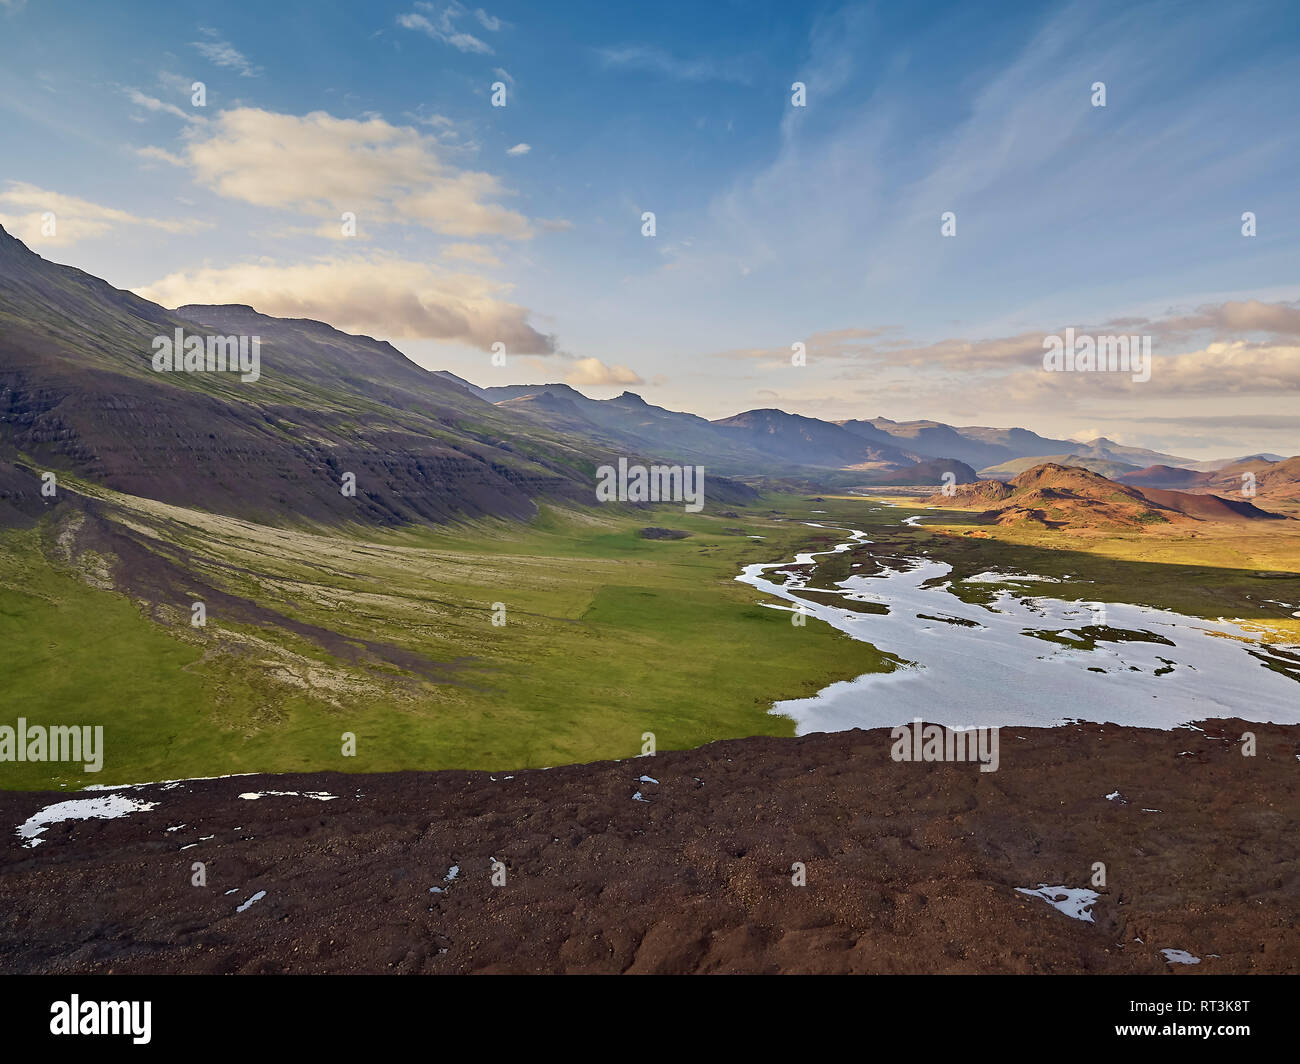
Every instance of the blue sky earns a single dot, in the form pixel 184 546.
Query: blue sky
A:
pixel 774 224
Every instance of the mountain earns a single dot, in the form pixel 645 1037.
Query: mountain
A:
pixel 807 441
pixel 933 439
pixel 931 471
pixel 1164 476
pixel 1218 463
pixel 988 449
pixel 1105 466
pixel 1274 480
pixel 461 382
pixel 79 395
pixel 1056 496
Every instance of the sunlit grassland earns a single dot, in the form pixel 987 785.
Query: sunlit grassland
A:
pixel 607 636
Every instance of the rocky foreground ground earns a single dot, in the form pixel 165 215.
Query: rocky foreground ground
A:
pixel 910 867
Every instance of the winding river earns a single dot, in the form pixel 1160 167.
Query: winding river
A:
pixel 1011 663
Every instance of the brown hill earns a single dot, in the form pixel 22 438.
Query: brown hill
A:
pixel 1057 496
pixel 1275 481
pixel 1166 476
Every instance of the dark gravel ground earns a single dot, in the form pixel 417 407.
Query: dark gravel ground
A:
pixel 910 867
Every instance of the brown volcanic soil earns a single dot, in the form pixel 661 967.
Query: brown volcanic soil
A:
pixel 910 867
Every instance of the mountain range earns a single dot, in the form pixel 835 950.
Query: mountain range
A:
pixel 79 395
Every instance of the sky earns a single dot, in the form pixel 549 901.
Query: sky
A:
pixel 346 162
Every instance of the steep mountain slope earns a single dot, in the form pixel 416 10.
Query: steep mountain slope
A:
pixel 79 395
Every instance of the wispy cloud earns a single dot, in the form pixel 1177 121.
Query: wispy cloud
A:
pixel 152 103
pixel 651 60
pixel 440 24
pixel 224 54
pixel 74 219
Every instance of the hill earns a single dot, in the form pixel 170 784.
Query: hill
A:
pixel 1057 496
pixel 931 471
pixel 1106 467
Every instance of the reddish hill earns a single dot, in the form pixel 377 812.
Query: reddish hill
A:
pixel 1275 481
pixel 1057 496
pixel 1165 476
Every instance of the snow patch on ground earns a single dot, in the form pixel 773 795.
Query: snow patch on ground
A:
pixel 1075 902
pixel 108 807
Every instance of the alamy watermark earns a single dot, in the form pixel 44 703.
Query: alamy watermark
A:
pixel 655 483
pixel 933 742
pixel 1098 354
pixel 208 354
pixel 56 743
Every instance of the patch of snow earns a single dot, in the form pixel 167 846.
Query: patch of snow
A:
pixel 320 796
pixel 107 808
pixel 1075 902
pixel 1178 956
pixel 256 897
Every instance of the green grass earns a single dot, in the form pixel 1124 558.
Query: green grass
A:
pixel 607 636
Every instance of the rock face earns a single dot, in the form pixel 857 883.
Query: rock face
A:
pixel 909 867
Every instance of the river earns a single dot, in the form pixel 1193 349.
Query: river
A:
pixel 979 665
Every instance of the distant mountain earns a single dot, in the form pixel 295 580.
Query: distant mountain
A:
pixel 461 382
pixel 1268 479
pixel 931 471
pixel 933 439
pixel 1056 496
pixel 628 421
pixel 1218 463
pixel 991 448
pixel 1164 476
pixel 1105 466
pixel 807 441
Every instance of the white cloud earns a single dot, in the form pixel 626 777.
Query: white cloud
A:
pixel 519 149
pixel 74 219
pixel 476 253
pixel 321 165
pixel 377 294
pixel 593 371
